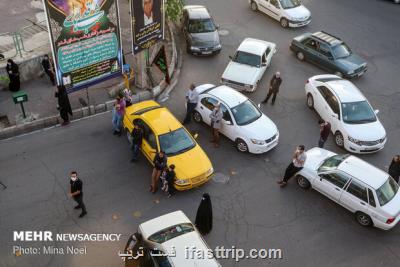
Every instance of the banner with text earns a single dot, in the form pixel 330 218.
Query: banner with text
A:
pixel 147 23
pixel 85 39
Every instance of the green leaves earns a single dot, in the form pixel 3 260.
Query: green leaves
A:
pixel 173 9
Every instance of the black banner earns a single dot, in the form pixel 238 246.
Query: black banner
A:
pixel 161 62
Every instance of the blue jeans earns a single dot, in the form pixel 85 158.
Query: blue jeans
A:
pixel 135 151
pixel 116 121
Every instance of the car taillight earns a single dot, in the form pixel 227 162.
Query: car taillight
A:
pixel 390 220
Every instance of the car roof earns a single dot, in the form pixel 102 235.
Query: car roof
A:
pixel 157 224
pixel 197 12
pixel 327 38
pixel 161 120
pixel 253 46
pixel 364 171
pixel 346 91
pixel 227 95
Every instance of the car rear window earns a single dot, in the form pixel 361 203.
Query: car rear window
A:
pixel 325 80
pixel 387 191
pixel 171 232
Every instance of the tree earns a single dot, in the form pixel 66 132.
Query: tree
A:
pixel 173 9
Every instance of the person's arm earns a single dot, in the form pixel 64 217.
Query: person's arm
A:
pixel 79 185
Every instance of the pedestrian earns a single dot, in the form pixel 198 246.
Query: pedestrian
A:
pixel 216 123
pixel 76 192
pixel 63 104
pixel 324 131
pixel 204 217
pixel 160 162
pixel 48 69
pixel 118 115
pixel 170 179
pixel 298 160
pixel 137 136
pixel 394 168
pixel 13 73
pixel 191 102
pixel 273 90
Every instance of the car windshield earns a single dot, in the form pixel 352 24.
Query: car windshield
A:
pixel 201 25
pixel 246 113
pixel 286 4
pixel 176 142
pixel 332 163
pixel 387 191
pixel 357 112
pixel 341 51
pixel 247 58
pixel 171 232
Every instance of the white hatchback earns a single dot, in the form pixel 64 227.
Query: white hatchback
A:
pixel 370 193
pixel 248 65
pixel 242 121
pixel 290 13
pixel 353 121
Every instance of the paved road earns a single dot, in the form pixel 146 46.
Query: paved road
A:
pixel 250 211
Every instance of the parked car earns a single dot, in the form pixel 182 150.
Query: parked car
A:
pixel 200 31
pixel 242 122
pixel 370 193
pixel 162 131
pixel 353 121
pixel 165 240
pixel 290 13
pixel 330 53
pixel 248 65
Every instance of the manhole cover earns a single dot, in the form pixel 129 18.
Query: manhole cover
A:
pixel 220 178
pixel 137 214
pixel 223 32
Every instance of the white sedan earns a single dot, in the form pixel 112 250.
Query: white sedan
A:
pixel 370 193
pixel 248 65
pixel 353 121
pixel 242 122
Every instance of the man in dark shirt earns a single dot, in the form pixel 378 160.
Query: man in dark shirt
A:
pixel 273 87
pixel 76 192
pixel 137 136
pixel 325 129
pixel 48 69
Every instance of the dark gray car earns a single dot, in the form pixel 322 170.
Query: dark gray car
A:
pixel 200 31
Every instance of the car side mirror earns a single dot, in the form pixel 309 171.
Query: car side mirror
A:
pixel 376 111
pixel 195 135
pixel 334 115
pixel 227 122
pixel 230 57
pixel 263 64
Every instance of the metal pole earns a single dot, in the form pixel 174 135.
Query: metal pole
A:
pixel 23 110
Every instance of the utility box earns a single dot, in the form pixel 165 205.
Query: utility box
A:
pixel 20 97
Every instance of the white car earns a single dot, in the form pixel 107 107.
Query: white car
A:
pixel 173 234
pixel 353 121
pixel 242 121
pixel 248 65
pixel 290 13
pixel 370 193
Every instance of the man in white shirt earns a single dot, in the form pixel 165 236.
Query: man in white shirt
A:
pixel 192 97
pixel 298 160
pixel 148 12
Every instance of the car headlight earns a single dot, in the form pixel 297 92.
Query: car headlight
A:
pixel 355 141
pixel 182 181
pixel 350 71
pixel 258 142
pixel 218 46
pixel 210 171
pixel 250 86
pixel 193 48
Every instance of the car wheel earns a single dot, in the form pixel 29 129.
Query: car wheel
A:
pixel 303 182
pixel 339 140
pixel 253 6
pixel 241 146
pixel 300 56
pixel 128 136
pixel 339 74
pixel 363 219
pixel 197 117
pixel 310 101
pixel 284 22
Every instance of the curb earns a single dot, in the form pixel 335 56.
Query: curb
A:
pixel 91 110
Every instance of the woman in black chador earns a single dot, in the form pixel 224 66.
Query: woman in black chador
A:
pixel 63 104
pixel 204 215
pixel 13 74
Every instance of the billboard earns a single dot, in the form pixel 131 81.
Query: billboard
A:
pixel 147 23
pixel 85 39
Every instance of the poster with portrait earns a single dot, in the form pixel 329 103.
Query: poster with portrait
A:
pixel 147 23
pixel 85 39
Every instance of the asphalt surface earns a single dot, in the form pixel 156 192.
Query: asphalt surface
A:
pixel 250 210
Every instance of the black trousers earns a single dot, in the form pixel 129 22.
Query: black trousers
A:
pixel 189 111
pixel 290 171
pixel 51 76
pixel 64 115
pixel 79 200
pixel 270 93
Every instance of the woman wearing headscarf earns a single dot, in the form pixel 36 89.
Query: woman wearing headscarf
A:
pixel 204 217
pixel 63 103
pixel 394 168
pixel 13 73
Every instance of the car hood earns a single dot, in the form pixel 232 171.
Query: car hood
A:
pixel 241 73
pixel 366 131
pixel 393 206
pixel 205 39
pixel 315 156
pixel 300 12
pixel 351 62
pixel 261 129
pixel 184 167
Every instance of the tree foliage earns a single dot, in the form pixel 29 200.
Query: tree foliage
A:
pixel 173 9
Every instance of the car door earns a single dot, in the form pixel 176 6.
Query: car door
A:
pixel 274 9
pixel 310 50
pixel 207 104
pixel 263 6
pixel 373 210
pixel 149 143
pixel 333 114
pixel 320 100
pixel 355 197
pixel 331 184
pixel 228 126
pixel 325 58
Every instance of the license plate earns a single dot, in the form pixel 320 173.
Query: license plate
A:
pixel 206 52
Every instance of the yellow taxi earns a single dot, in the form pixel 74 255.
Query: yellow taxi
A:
pixel 162 131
